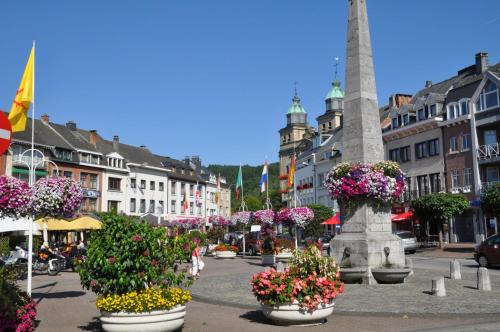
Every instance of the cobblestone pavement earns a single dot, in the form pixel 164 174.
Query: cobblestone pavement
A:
pixel 227 282
pixel 65 307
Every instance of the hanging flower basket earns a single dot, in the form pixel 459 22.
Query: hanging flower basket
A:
pixel 381 183
pixel 299 216
pixel 242 217
pixel 56 197
pixel 264 217
pixel 191 223
pixel 219 221
pixel 14 197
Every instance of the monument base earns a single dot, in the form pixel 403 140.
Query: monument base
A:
pixel 367 242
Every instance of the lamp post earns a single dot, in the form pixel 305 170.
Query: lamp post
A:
pixel 31 164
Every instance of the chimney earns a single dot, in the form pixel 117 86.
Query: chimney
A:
pixel 45 118
pixel 428 84
pixel 196 161
pixel 71 125
pixel 93 137
pixel 481 62
pixel 116 142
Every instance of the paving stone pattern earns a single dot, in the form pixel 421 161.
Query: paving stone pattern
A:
pixel 227 282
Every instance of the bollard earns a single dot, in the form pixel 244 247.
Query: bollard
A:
pixel 455 270
pixel 409 265
pixel 438 288
pixel 483 279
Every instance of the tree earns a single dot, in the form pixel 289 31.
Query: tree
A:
pixel 321 213
pixel 253 203
pixel 275 198
pixel 438 208
pixel 491 201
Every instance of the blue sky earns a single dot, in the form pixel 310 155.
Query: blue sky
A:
pixel 215 78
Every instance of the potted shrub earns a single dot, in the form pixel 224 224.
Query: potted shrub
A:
pixel 133 268
pixel 267 249
pixel 304 293
pixel 225 251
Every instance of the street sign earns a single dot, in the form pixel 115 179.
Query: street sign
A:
pixel 5 133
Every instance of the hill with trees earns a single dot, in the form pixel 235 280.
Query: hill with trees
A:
pixel 254 199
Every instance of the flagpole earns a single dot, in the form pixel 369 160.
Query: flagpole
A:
pixel 31 182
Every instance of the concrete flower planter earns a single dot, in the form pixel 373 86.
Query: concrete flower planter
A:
pixel 225 254
pixel 293 314
pixel 284 256
pixel 268 260
pixel 153 321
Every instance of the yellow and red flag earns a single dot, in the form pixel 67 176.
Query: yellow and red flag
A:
pixel 291 174
pixel 24 96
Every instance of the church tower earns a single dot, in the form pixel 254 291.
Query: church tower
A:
pixel 334 100
pixel 293 137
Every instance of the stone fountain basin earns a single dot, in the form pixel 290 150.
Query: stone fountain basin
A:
pixel 351 275
pixel 390 275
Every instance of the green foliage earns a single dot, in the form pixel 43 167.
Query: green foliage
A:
pixel 437 208
pixel 253 203
pixel 128 255
pixel 11 298
pixel 215 234
pixel 251 178
pixel 321 213
pixel 491 201
pixel 202 237
pixel 4 245
pixel 275 197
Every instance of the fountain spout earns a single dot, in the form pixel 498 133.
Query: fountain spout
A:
pixel 387 252
pixel 346 260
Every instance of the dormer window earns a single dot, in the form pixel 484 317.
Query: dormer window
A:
pixel 464 107
pixel 394 123
pixel 433 109
pixel 421 114
pixel 489 97
pixel 406 119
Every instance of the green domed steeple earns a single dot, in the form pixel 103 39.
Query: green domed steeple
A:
pixel 296 107
pixel 335 92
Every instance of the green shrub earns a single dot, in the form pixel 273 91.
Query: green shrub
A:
pixel 128 255
pixel 4 245
pixel 198 235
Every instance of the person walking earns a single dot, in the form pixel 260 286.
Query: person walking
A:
pixel 197 263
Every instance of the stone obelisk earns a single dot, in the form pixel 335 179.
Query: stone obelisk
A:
pixel 367 230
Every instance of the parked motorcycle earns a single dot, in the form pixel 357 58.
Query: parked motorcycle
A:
pixel 47 261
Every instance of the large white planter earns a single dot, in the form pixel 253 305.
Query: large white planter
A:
pixel 284 256
pixel 225 254
pixel 268 260
pixel 153 321
pixel 293 314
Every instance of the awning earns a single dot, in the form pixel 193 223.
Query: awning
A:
pixel 402 216
pixel 25 171
pixel 82 223
pixel 14 225
pixel 335 220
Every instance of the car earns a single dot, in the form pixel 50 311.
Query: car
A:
pixel 488 252
pixel 409 239
pixel 232 237
pixel 253 243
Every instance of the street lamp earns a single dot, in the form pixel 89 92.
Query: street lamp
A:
pixel 32 165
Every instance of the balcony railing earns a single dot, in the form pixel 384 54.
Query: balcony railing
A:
pixel 486 185
pixel 488 151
